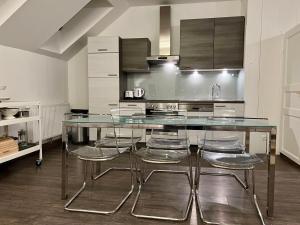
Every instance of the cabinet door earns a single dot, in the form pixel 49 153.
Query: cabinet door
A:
pixel 196 43
pixel 229 42
pixel 103 94
pixel 103 44
pixel 134 52
pixel 103 65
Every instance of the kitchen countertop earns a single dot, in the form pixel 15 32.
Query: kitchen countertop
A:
pixel 186 101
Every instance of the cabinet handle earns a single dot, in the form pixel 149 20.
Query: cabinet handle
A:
pixel 113 104
pixel 131 104
pixel 112 75
pixel 102 49
pixel 220 106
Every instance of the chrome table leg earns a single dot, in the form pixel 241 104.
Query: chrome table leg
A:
pixel 144 181
pixel 64 164
pixel 255 199
pixel 271 172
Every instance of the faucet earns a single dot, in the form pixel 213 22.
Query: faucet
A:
pixel 216 91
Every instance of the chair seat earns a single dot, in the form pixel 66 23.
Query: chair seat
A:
pixel 162 155
pixel 222 146
pixel 96 154
pixel 173 144
pixel 232 161
pixel 123 142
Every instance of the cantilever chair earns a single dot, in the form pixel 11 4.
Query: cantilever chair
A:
pixel 109 147
pixel 127 138
pixel 165 147
pixel 229 154
pixel 226 143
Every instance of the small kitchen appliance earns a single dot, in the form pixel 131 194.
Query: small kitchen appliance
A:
pixel 129 94
pixel 138 92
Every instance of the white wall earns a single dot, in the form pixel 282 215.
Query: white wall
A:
pixel 143 21
pixel 267 21
pixel 32 77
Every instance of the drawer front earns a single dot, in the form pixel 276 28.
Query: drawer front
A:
pixel 103 65
pixel 103 44
pixel 229 109
pixel 142 106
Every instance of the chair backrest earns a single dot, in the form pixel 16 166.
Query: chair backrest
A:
pixel 222 141
pixel 126 113
pixel 172 135
pixel 180 116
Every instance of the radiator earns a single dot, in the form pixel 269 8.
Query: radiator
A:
pixel 52 117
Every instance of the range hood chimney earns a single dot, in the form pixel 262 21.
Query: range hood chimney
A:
pixel 164 39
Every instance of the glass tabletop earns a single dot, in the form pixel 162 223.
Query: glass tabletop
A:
pixel 193 121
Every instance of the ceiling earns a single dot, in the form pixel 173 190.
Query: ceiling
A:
pixel 59 28
pixel 165 2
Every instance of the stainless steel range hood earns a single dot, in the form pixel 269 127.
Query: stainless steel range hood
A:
pixel 164 39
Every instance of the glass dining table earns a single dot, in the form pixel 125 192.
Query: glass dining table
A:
pixel 241 124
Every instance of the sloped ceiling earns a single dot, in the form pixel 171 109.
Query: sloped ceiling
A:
pixel 59 28
pixel 8 8
pixel 35 21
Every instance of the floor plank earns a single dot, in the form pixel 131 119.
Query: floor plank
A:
pixel 31 195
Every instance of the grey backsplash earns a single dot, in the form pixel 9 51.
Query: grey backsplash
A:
pixel 167 82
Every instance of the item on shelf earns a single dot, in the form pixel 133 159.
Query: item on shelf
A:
pixel 8 146
pixel 22 138
pixel 5 126
pixel 129 94
pixel 9 113
pixel 138 92
pixel 23 113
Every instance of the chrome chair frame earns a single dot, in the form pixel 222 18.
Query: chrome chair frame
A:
pixel 82 188
pixel 244 184
pixel 98 165
pixel 143 181
pixel 198 172
pixel 132 149
pixel 197 182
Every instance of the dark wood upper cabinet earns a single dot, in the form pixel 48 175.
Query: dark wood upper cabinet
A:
pixel 196 44
pixel 215 43
pixel 133 54
pixel 229 42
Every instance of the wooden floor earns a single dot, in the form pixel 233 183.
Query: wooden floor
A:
pixel 30 195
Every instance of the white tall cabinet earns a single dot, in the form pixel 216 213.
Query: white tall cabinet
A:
pixel 103 75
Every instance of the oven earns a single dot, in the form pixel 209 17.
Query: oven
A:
pixel 167 109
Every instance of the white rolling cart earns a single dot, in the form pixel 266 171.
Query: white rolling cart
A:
pixel 34 115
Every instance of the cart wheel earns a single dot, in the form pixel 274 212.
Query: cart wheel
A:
pixel 38 162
